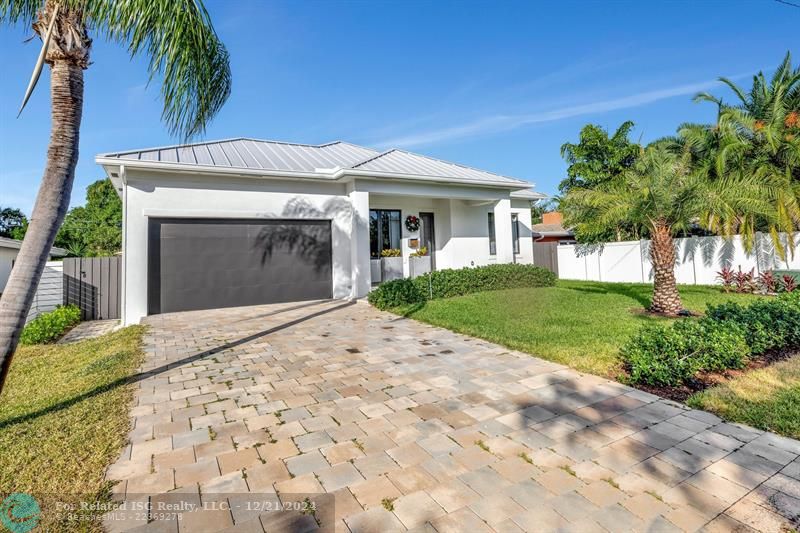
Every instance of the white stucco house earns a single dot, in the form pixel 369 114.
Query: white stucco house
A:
pixel 9 248
pixel 245 221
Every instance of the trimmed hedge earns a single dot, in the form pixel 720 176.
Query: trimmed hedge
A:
pixel 395 293
pixel 448 283
pixel 671 355
pixel 768 324
pixel 725 338
pixel 51 326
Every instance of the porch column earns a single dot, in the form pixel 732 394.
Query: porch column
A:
pixel 502 224
pixel 359 242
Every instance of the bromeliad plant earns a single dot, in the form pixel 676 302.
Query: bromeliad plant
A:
pixel 744 281
pixel 789 284
pixel 726 276
pixel 768 282
pixel 391 252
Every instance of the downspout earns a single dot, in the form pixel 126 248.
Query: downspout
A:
pixel 123 295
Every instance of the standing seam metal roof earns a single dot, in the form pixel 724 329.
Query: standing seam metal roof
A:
pixel 256 154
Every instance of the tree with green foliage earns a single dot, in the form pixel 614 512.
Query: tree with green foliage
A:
pixel 663 194
pixel 758 136
pixel 183 50
pixel 94 229
pixel 598 159
pixel 13 223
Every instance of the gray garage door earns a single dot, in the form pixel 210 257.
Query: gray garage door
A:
pixel 212 263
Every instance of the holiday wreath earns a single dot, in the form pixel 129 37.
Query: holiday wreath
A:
pixel 412 223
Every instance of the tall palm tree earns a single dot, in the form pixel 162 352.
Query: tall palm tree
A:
pixel 183 51
pixel 758 136
pixel 663 194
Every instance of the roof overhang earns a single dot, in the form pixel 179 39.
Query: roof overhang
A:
pixel 13 244
pixel 112 167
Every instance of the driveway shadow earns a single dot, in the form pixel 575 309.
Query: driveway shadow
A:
pixel 163 368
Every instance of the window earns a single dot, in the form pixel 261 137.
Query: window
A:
pixel 492 240
pixel 515 232
pixel 384 231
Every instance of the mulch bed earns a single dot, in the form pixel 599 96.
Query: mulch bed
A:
pixel 705 380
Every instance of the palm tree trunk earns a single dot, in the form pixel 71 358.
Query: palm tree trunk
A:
pixel 52 202
pixel 666 298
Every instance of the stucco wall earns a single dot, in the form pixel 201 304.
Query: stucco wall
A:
pixel 411 205
pixel 460 214
pixel 7 256
pixel 522 208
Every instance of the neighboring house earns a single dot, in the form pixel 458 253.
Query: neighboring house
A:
pixel 9 248
pixel 552 230
pixel 245 222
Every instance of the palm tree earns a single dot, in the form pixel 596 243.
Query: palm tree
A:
pixel 183 50
pixel 662 194
pixel 758 137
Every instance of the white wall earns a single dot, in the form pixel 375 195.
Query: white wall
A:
pixel 460 215
pixel 7 256
pixel 522 208
pixel 50 291
pixel 414 205
pixel 698 260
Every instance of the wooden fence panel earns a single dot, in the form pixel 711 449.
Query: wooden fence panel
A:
pixel 93 284
pixel 545 255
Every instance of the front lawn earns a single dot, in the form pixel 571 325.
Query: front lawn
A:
pixel 577 323
pixel 64 418
pixel 768 398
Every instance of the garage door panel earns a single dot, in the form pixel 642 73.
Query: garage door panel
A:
pixel 203 264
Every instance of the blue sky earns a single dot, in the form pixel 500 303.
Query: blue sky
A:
pixel 496 85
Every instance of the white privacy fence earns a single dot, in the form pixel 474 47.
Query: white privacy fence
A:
pixel 50 292
pixel 698 259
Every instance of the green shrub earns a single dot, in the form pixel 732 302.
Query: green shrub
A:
pixel 770 323
pixel 458 282
pixel 720 346
pixel 448 283
pixel 671 355
pixel 50 326
pixel 395 293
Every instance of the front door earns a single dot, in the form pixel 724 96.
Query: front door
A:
pixel 427 235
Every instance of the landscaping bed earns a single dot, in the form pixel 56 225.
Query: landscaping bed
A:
pixel 64 419
pixel 767 398
pixel 707 380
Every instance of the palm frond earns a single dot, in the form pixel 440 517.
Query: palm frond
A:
pixel 183 50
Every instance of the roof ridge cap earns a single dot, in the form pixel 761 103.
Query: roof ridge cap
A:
pixel 517 180
pixel 373 158
pixel 172 146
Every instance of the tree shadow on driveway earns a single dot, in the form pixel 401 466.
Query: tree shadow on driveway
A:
pixel 169 366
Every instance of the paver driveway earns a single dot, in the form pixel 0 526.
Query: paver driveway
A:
pixel 406 426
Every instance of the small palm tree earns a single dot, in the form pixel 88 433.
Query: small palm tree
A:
pixel 662 194
pixel 183 51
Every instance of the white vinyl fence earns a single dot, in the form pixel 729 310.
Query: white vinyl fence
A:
pixel 50 292
pixel 698 259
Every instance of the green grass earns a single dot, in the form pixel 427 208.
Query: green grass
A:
pixel 768 398
pixel 577 323
pixel 64 417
